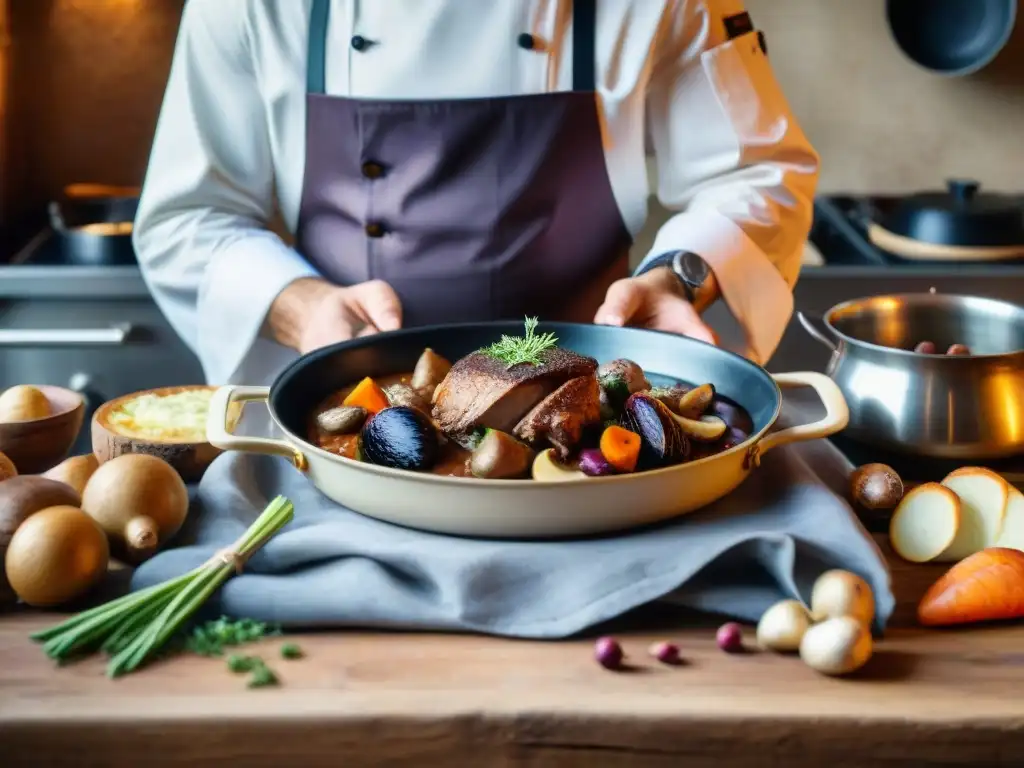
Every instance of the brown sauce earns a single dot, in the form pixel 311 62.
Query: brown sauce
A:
pixel 453 460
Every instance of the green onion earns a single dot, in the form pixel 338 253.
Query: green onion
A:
pixel 262 676
pixel 291 651
pixel 135 628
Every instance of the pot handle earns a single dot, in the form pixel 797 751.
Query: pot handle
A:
pixel 837 414
pixel 811 326
pixel 219 435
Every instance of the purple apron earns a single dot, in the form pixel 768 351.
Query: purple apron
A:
pixel 471 209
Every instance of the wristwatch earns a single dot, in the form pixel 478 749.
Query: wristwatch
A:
pixel 694 274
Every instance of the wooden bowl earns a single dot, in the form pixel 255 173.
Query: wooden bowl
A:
pixel 190 457
pixel 38 444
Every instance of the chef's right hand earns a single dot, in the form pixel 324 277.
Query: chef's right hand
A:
pixel 311 313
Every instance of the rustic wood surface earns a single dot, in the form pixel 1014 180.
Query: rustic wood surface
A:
pixel 926 698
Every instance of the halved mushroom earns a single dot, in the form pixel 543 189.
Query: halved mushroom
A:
pixel 706 428
pixel 403 394
pixel 343 420
pixel 693 403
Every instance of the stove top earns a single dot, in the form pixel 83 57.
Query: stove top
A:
pixel 840 233
pixel 48 249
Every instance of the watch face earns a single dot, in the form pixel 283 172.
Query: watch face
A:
pixel 690 268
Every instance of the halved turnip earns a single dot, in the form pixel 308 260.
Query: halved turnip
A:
pixel 925 523
pixel 983 499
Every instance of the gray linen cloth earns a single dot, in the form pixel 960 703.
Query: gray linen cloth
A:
pixel 768 540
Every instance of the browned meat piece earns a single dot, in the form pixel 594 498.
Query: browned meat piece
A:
pixel 480 391
pixel 560 418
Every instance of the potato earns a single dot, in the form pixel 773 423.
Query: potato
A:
pixel 430 371
pixel 876 487
pixel 74 471
pixel 836 646
pixel 56 555
pixel 984 496
pixel 841 593
pixel 782 626
pixel 7 468
pixel 925 523
pixel 20 498
pixel 23 403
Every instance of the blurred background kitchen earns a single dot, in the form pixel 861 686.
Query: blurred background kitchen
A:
pixel 81 83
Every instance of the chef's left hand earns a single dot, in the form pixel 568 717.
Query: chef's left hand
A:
pixel 653 300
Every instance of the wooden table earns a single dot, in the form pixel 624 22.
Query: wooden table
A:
pixel 927 698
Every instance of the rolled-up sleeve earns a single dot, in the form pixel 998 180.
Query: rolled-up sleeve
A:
pixel 733 163
pixel 201 233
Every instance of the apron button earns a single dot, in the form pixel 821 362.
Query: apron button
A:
pixel 375 229
pixel 526 41
pixel 372 170
pixel 360 43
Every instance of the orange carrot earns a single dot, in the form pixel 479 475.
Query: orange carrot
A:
pixel 366 394
pixel 620 448
pixel 986 586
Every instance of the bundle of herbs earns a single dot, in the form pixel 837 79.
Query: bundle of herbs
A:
pixel 137 627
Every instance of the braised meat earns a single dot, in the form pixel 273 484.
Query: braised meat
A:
pixel 480 391
pixel 559 419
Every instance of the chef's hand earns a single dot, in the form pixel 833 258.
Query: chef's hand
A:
pixel 653 300
pixel 311 313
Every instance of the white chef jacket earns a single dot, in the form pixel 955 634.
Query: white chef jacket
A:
pixel 229 149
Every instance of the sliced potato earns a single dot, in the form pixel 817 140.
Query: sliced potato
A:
pixel 983 499
pixel 1012 536
pixel 925 523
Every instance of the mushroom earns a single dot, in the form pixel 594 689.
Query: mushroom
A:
pixel 693 403
pixel 706 428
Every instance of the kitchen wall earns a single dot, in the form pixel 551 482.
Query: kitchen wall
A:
pixel 85 78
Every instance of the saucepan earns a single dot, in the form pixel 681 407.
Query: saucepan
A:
pixel 523 508
pixel 951 37
pixel 955 406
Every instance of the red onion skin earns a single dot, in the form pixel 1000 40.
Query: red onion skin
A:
pixel 730 637
pixel 608 653
pixel 665 652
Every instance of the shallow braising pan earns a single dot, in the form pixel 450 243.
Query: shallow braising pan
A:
pixel 524 508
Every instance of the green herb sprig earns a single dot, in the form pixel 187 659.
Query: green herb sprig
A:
pixel 528 348
pixel 135 628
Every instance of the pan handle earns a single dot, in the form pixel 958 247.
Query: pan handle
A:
pixel 837 414
pixel 219 435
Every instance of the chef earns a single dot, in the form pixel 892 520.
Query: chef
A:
pixel 435 161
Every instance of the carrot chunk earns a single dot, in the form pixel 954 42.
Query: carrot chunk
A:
pixel 367 394
pixel 620 448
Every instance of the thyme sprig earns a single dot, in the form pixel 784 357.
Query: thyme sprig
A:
pixel 528 348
